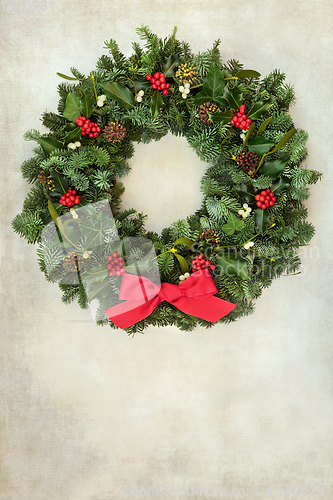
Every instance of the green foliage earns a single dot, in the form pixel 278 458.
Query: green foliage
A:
pixel 28 225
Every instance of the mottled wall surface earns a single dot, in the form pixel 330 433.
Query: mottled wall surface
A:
pixel 87 410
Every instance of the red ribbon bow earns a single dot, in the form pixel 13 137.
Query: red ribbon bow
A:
pixel 193 296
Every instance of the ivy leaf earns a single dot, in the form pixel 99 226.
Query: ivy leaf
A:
pixel 232 266
pixel 95 273
pixel 233 224
pixel 86 107
pixel 183 264
pixel 280 185
pixel 50 144
pixel 93 229
pixel 233 97
pixel 261 219
pixel 258 109
pixel 118 92
pixel 73 107
pixel 212 88
pixel 99 290
pixel 60 181
pixel 247 73
pixel 65 77
pixel 264 125
pixel 156 104
pixel 272 168
pixel 74 135
pixel 260 145
pixel 171 64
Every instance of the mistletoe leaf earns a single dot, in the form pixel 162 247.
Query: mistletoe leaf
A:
pixel 261 219
pixel 72 108
pixel 264 125
pixel 233 224
pixel 212 88
pixel 74 135
pixel 272 168
pixel 156 104
pixel 260 145
pixel 183 264
pixel 184 241
pixel 248 134
pixel 232 265
pixel 287 136
pixel 258 109
pixel 118 92
pixel 95 273
pixel 55 216
pixel 50 144
pixel 67 77
pixel 247 73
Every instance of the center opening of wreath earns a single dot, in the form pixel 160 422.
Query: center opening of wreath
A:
pixel 164 182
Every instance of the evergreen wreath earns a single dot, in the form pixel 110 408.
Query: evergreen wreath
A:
pixel 252 219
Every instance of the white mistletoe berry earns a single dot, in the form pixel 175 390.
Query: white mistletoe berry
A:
pixel 187 85
pixel 74 214
pixel 85 255
pixel 181 89
pixel 71 145
pixel 77 144
pixel 248 245
pixel 184 96
pixel 184 276
pixel 187 91
pixel 101 98
pixel 139 98
pixel 141 93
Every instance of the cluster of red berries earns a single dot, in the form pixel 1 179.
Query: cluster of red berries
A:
pixel 73 261
pixel 88 128
pixel 158 82
pixel 240 119
pixel 248 161
pixel 199 263
pixel 205 110
pixel 211 237
pixel 70 198
pixel 265 199
pixel 43 178
pixel 116 264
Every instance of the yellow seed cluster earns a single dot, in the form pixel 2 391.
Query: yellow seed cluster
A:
pixel 187 73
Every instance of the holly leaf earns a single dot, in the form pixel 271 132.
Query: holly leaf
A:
pixel 50 144
pixel 261 219
pixel 99 290
pixel 170 66
pixel 233 224
pixel 222 118
pixel 280 185
pixel 233 97
pixel 212 88
pixel 247 73
pixel 95 273
pixel 272 168
pixel 232 265
pixel 258 109
pixel 118 92
pixel 72 108
pixel 156 104
pixel 60 181
pixel 260 145
pixel 86 107
pixel 74 135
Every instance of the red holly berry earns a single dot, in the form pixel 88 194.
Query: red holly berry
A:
pixel 116 264
pixel 158 82
pixel 240 119
pixel 88 128
pixel 265 199
pixel 70 198
pixel 199 263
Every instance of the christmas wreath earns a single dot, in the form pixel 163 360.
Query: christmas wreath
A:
pixel 208 267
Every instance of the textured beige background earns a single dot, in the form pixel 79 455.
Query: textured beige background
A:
pixel 87 410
